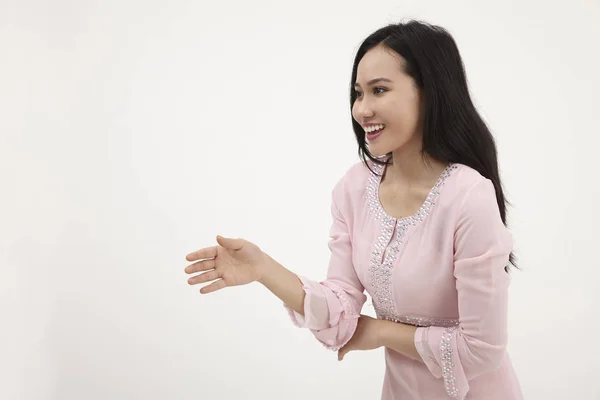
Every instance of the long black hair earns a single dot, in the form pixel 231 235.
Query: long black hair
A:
pixel 453 130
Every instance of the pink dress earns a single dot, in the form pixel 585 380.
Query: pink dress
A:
pixel 441 269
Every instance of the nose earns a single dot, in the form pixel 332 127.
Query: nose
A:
pixel 362 110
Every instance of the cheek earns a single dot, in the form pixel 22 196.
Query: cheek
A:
pixel 405 113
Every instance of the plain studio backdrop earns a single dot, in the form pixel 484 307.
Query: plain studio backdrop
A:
pixel 133 132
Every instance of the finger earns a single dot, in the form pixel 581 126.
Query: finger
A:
pixel 213 287
pixel 207 252
pixel 228 243
pixel 205 277
pixel 344 350
pixel 204 265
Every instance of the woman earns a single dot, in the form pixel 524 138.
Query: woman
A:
pixel 419 224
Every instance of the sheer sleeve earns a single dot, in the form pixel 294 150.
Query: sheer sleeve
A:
pixel 332 307
pixel 478 344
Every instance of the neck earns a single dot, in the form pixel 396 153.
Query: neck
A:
pixel 410 169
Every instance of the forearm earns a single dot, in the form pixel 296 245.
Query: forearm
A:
pixel 284 284
pixel 399 337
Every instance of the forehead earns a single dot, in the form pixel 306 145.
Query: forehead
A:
pixel 377 62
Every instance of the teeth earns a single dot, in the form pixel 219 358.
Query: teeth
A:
pixel 374 128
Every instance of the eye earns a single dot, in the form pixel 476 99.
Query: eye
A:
pixel 358 94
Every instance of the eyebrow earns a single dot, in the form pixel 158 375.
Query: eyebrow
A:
pixel 372 81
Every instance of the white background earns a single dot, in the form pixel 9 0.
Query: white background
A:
pixel 133 132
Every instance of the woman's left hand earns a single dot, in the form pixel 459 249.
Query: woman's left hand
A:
pixel 366 336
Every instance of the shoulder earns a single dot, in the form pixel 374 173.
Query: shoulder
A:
pixel 464 181
pixel 474 195
pixel 354 180
pixel 464 178
pixel 465 189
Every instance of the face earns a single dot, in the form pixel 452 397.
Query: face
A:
pixel 394 102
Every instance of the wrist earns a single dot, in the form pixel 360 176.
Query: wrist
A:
pixel 382 332
pixel 396 335
pixel 265 269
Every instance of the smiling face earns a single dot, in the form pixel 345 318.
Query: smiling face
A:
pixel 387 95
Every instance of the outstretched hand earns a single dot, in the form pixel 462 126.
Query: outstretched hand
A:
pixel 233 262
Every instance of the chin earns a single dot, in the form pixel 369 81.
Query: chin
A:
pixel 378 151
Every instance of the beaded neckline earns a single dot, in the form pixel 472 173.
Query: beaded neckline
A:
pixel 423 209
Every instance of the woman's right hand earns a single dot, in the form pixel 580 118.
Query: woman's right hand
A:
pixel 234 262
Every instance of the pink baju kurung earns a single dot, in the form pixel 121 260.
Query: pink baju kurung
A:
pixel 441 269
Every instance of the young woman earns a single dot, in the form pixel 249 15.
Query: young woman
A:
pixel 420 224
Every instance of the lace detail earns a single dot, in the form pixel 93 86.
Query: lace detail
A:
pixel 447 364
pixel 383 256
